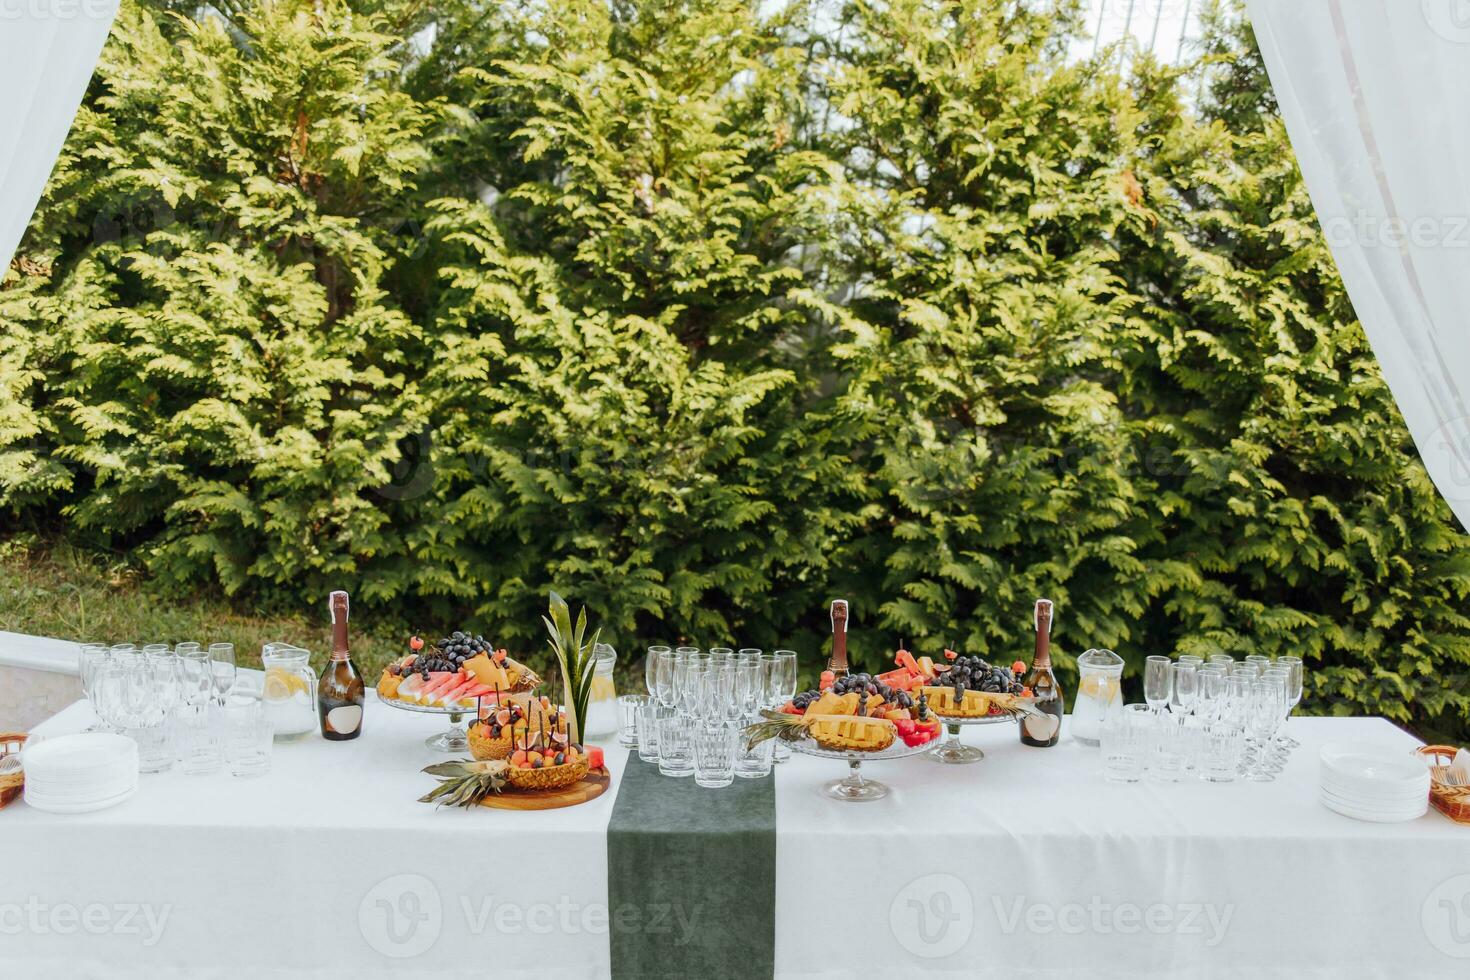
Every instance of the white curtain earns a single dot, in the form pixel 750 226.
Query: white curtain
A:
pixel 1376 97
pixel 48 49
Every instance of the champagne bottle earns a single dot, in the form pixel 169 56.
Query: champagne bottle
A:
pixel 838 664
pixel 1043 730
pixel 340 692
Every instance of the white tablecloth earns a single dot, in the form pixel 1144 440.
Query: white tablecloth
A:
pixel 1030 864
pixel 1027 864
pixel 326 868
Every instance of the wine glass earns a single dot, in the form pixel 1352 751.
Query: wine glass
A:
pixel 222 670
pixel 749 653
pixel 1158 682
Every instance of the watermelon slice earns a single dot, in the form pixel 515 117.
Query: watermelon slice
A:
pixel 594 757
pixel 901 679
pixel 440 682
pixel 457 692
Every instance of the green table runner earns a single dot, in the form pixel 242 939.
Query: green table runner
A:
pixel 691 878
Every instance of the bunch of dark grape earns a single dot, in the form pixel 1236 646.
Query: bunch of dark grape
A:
pixel 449 653
pixel 862 684
pixel 805 698
pixel 458 647
pixel 978 674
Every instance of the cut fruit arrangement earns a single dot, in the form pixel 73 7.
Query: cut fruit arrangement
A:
pixel 965 687
pixel 503 729
pixel 867 713
pixel 854 720
pixel 541 756
pixel 460 671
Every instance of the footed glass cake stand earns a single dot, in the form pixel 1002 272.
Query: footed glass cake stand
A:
pixel 955 752
pixel 855 788
pixel 456 739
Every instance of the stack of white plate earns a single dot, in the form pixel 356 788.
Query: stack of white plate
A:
pixel 1367 782
pixel 80 773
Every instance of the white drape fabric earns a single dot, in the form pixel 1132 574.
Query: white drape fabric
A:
pixel 1376 98
pixel 48 49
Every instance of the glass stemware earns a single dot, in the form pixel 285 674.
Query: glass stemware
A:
pixel 92 658
pixel 1158 682
pixel 222 670
pixel 1294 680
pixel 195 673
pixel 1263 715
pixel 652 663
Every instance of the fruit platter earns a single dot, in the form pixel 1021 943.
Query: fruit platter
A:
pixel 855 719
pixel 459 675
pixel 896 714
pixel 965 691
pixel 524 759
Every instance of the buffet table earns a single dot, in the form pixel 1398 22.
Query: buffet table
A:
pixel 1027 864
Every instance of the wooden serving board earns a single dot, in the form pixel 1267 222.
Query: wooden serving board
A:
pixel 590 787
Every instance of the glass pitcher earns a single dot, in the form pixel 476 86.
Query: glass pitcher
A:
pixel 602 702
pixel 1099 693
pixel 288 691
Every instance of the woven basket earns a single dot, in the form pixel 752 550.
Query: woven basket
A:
pixel 11 784
pixel 1452 801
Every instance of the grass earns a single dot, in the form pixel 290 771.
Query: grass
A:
pixel 69 594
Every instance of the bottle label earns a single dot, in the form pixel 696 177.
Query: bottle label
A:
pixel 345 719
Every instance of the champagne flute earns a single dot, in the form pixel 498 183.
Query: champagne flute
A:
pixel 651 669
pixel 222 670
pixel 1294 679
pixel 1186 686
pixel 1158 682
pixel 1263 716
pixel 93 657
pixel 196 673
pixel 786 674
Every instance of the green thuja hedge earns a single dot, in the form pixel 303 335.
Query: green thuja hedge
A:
pixel 704 313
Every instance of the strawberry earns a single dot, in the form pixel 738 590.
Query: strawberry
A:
pixel 1019 667
pixel 416 644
